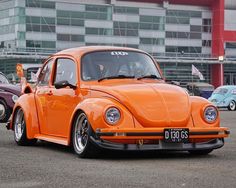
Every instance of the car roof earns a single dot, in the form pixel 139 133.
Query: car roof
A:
pixel 79 51
pixel 228 86
pixel 200 84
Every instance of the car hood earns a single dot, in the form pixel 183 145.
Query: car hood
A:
pixel 152 104
pixel 11 88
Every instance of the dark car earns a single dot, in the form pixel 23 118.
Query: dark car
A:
pixel 9 93
pixel 200 89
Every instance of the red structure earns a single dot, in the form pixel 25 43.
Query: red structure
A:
pixel 219 35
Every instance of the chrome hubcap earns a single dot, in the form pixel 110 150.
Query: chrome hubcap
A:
pixel 232 105
pixel 2 111
pixel 19 125
pixel 81 133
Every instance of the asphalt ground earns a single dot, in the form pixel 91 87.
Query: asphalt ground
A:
pixel 52 165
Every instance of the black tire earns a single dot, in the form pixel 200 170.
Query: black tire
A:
pixel 5 111
pixel 82 143
pixel 19 126
pixel 200 152
pixel 232 106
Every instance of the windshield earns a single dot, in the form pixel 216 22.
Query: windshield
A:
pixel 3 79
pixel 120 64
pixel 221 91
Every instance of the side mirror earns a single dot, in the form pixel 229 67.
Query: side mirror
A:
pixel 63 84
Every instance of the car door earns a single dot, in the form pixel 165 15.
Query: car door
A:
pixel 42 93
pixel 62 102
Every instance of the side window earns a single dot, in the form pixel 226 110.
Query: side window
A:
pixel 233 92
pixel 65 70
pixel 44 76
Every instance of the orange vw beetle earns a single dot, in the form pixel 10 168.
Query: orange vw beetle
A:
pixel 113 98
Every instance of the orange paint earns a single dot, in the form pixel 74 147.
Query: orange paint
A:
pixel 146 106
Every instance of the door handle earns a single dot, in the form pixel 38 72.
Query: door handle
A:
pixel 49 92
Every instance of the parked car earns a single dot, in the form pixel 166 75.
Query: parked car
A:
pixel 113 98
pixel 200 89
pixel 224 97
pixel 3 79
pixel 9 93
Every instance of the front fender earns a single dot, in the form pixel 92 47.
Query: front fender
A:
pixel 95 109
pixel 198 105
pixel 27 103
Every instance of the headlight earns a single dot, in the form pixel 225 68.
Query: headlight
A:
pixel 210 114
pixel 112 115
pixel 14 98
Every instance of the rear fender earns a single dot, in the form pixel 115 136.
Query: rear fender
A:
pixel 27 103
pixel 228 100
pixel 95 109
pixel 7 97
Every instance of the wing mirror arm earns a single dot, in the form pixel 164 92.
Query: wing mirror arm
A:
pixel 64 84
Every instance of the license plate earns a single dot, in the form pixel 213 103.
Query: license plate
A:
pixel 176 135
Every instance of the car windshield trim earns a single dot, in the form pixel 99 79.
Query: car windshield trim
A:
pixel 151 76
pixel 3 79
pixel 115 77
pixel 104 64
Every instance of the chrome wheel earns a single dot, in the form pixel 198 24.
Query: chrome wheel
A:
pixel 81 134
pixel 232 105
pixel 2 111
pixel 19 124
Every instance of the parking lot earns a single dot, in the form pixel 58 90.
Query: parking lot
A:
pixel 51 165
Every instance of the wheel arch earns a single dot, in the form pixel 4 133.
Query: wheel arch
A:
pixel 231 100
pixel 94 109
pixel 76 113
pixel 27 104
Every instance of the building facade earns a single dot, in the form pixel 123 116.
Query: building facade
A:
pixel 178 33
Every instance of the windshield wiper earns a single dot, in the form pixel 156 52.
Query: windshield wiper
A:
pixel 153 76
pixel 115 77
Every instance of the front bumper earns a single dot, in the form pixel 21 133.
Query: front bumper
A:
pixel 115 139
pixel 212 144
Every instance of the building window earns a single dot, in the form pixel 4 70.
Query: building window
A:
pixel 40 44
pixel 206 25
pixel 206 29
pixel 5 29
pixel 152 19
pixel 68 37
pixel 40 4
pixel 129 25
pixel 152 23
pixel 153 41
pixel 231 45
pixel 98 31
pixel 195 28
pixel 98 12
pixel 125 32
pixel 183 49
pixel 206 43
pixel 21 35
pixel 195 35
pixel 183 13
pixel 177 20
pixel 126 10
pixel 126 28
pixel 40 24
